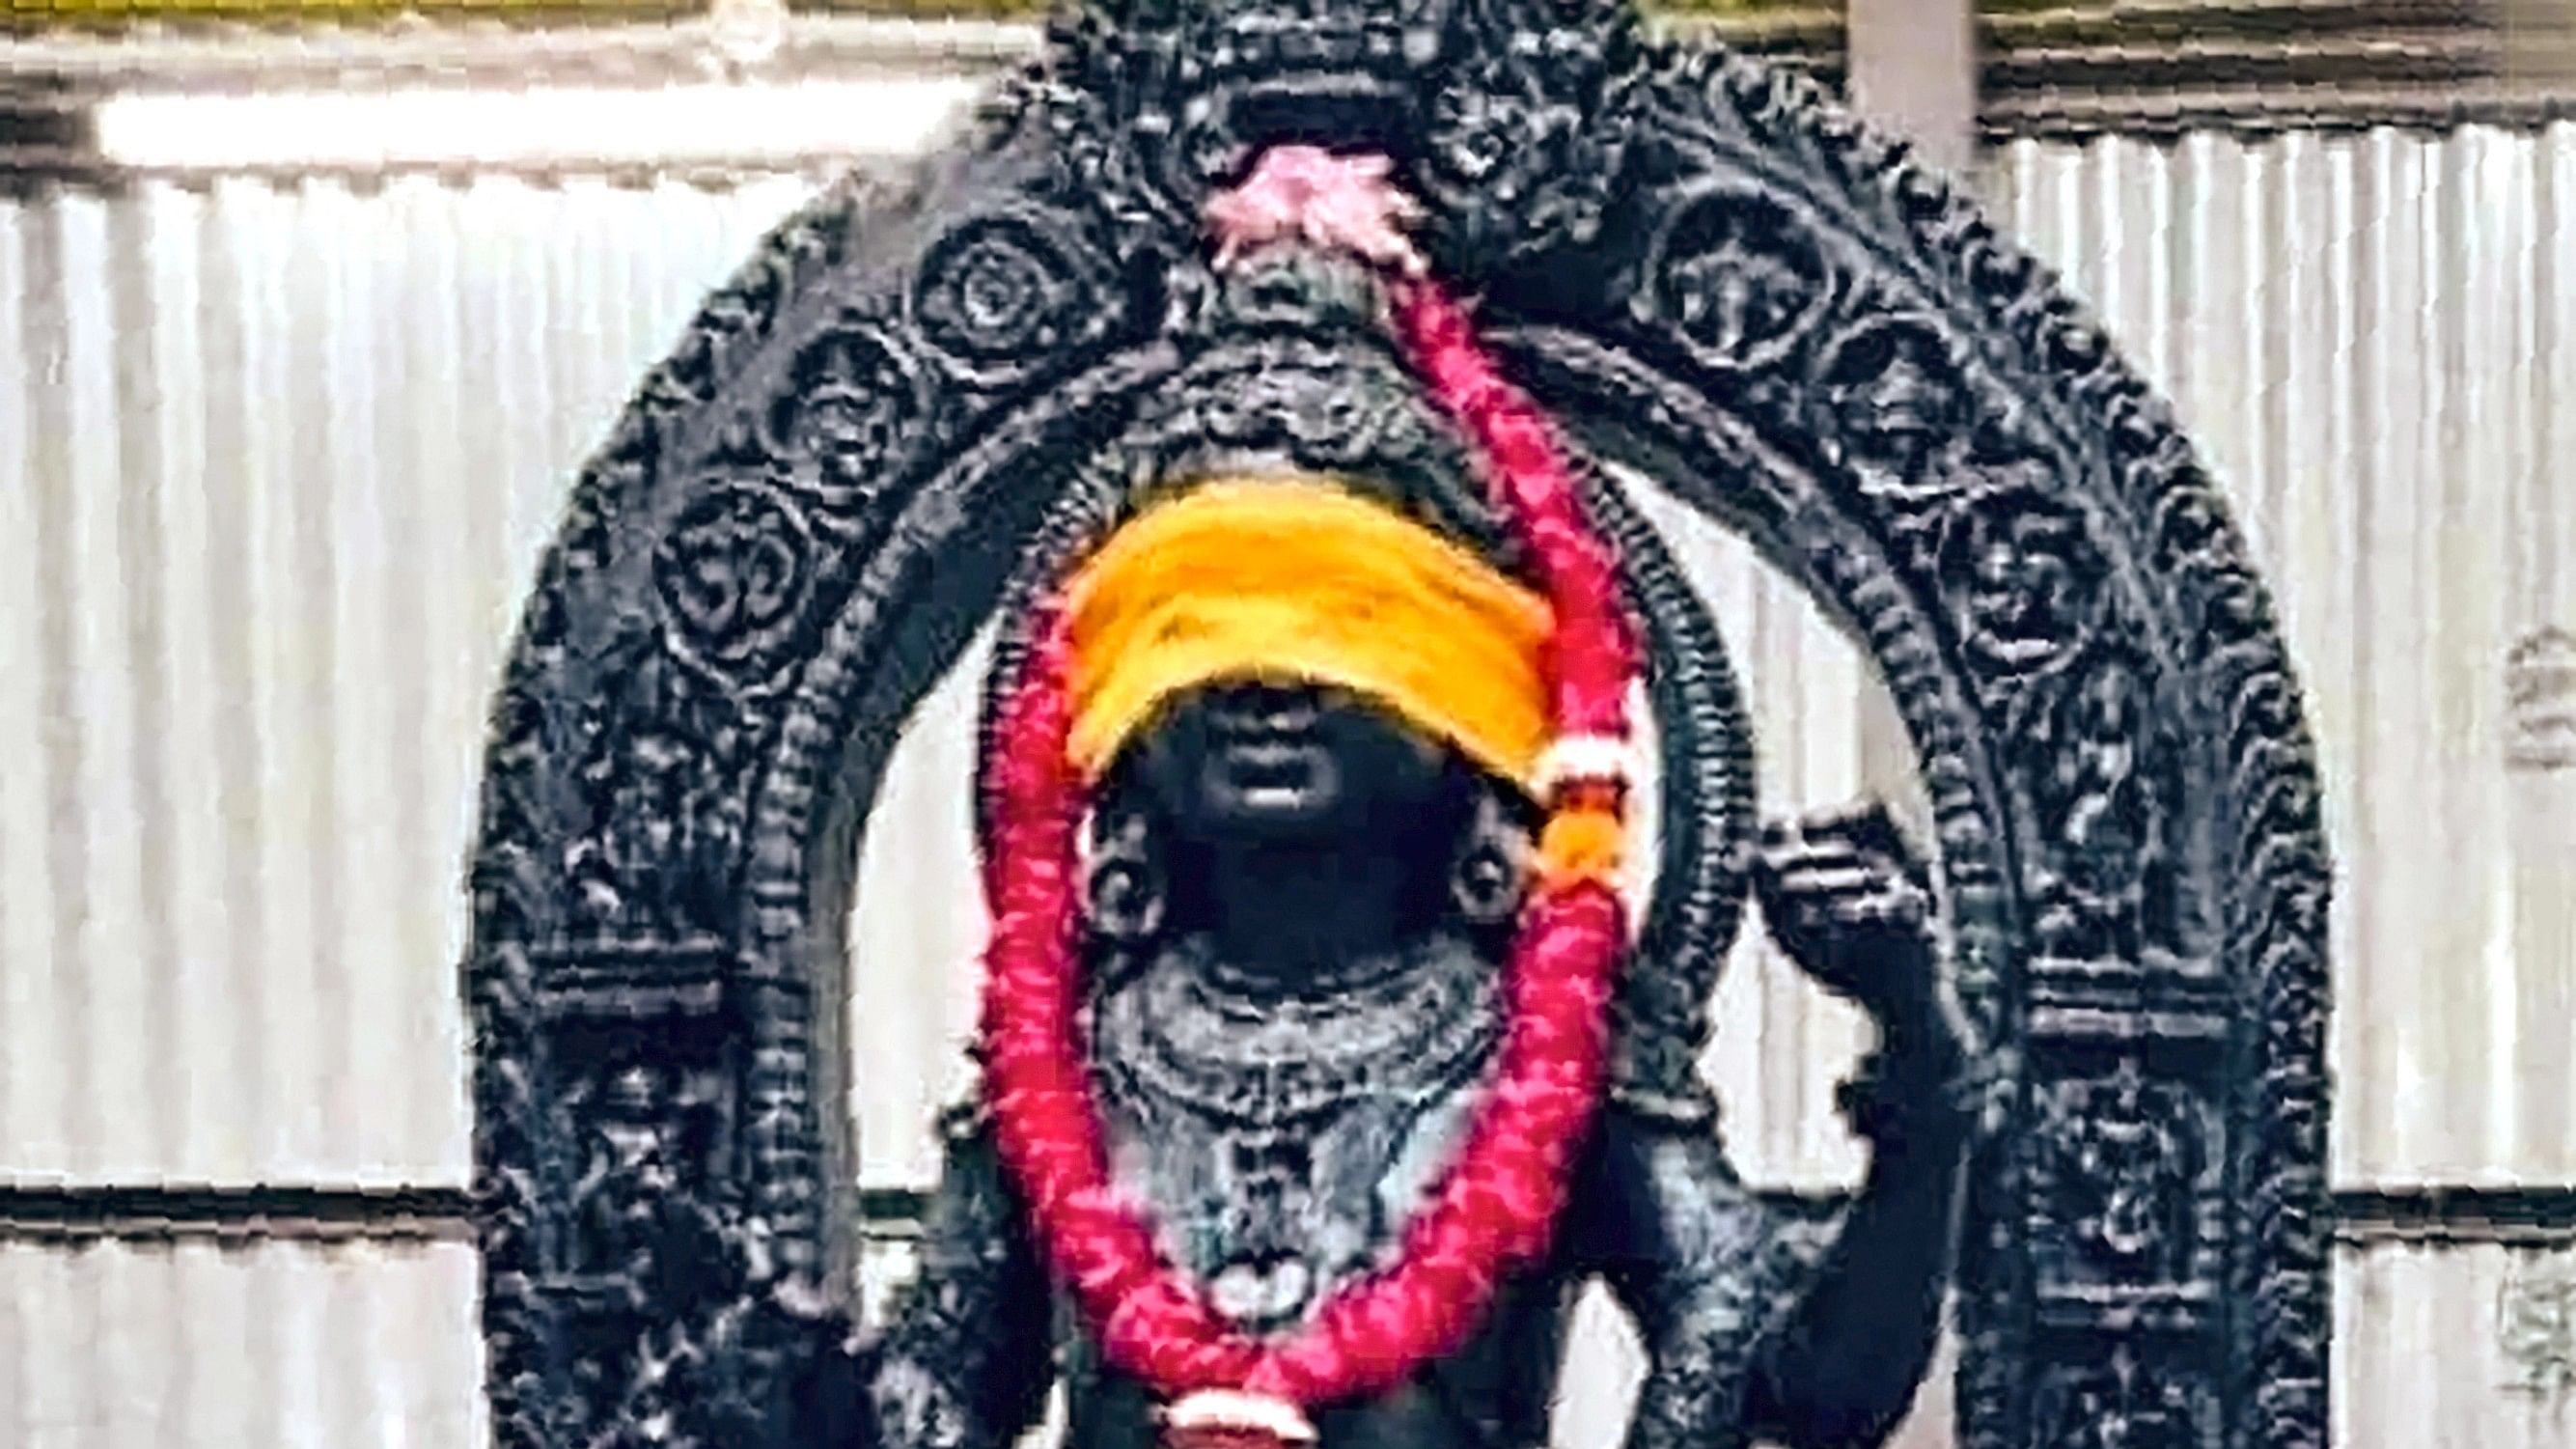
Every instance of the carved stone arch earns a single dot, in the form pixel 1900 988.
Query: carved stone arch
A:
pixel 1938 441
pixel 1709 273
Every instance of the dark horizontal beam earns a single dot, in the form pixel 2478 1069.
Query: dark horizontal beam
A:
pixel 2507 1215
pixel 114 15
pixel 245 1215
pixel 2520 1216
pixel 2256 111
pixel 2515 1216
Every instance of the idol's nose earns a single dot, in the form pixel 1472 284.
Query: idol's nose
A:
pixel 1262 708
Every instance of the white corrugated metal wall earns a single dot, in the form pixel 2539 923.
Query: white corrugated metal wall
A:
pixel 275 463
pixel 275 468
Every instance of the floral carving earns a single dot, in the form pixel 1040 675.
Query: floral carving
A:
pixel 1526 134
pixel 1001 294
pixel 735 575
pixel 849 417
pixel 1537 174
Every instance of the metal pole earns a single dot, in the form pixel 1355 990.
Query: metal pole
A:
pixel 1914 68
pixel 2540 48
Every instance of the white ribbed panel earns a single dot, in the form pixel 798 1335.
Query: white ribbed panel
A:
pixel 279 1346
pixel 2446 1346
pixel 276 469
pixel 2373 339
pixel 917 928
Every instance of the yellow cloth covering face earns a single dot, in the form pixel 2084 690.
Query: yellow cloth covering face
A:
pixel 1305 581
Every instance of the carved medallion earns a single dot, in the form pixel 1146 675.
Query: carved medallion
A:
pixel 850 418
pixel 736 574
pixel 1001 295
pixel 1738 278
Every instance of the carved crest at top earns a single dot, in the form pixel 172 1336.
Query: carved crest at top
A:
pixel 1489 104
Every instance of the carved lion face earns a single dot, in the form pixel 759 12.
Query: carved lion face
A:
pixel 1282 70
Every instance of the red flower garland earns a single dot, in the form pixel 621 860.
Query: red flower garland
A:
pixel 1497 1204
pixel 1597 656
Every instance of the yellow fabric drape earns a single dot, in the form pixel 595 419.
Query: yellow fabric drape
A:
pixel 1303 580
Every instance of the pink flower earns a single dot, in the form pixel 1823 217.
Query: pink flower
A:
pixel 1305 193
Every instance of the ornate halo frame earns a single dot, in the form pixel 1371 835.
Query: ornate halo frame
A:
pixel 1714 276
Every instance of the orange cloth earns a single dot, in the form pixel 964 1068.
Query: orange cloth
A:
pixel 1303 580
pixel 1582 842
